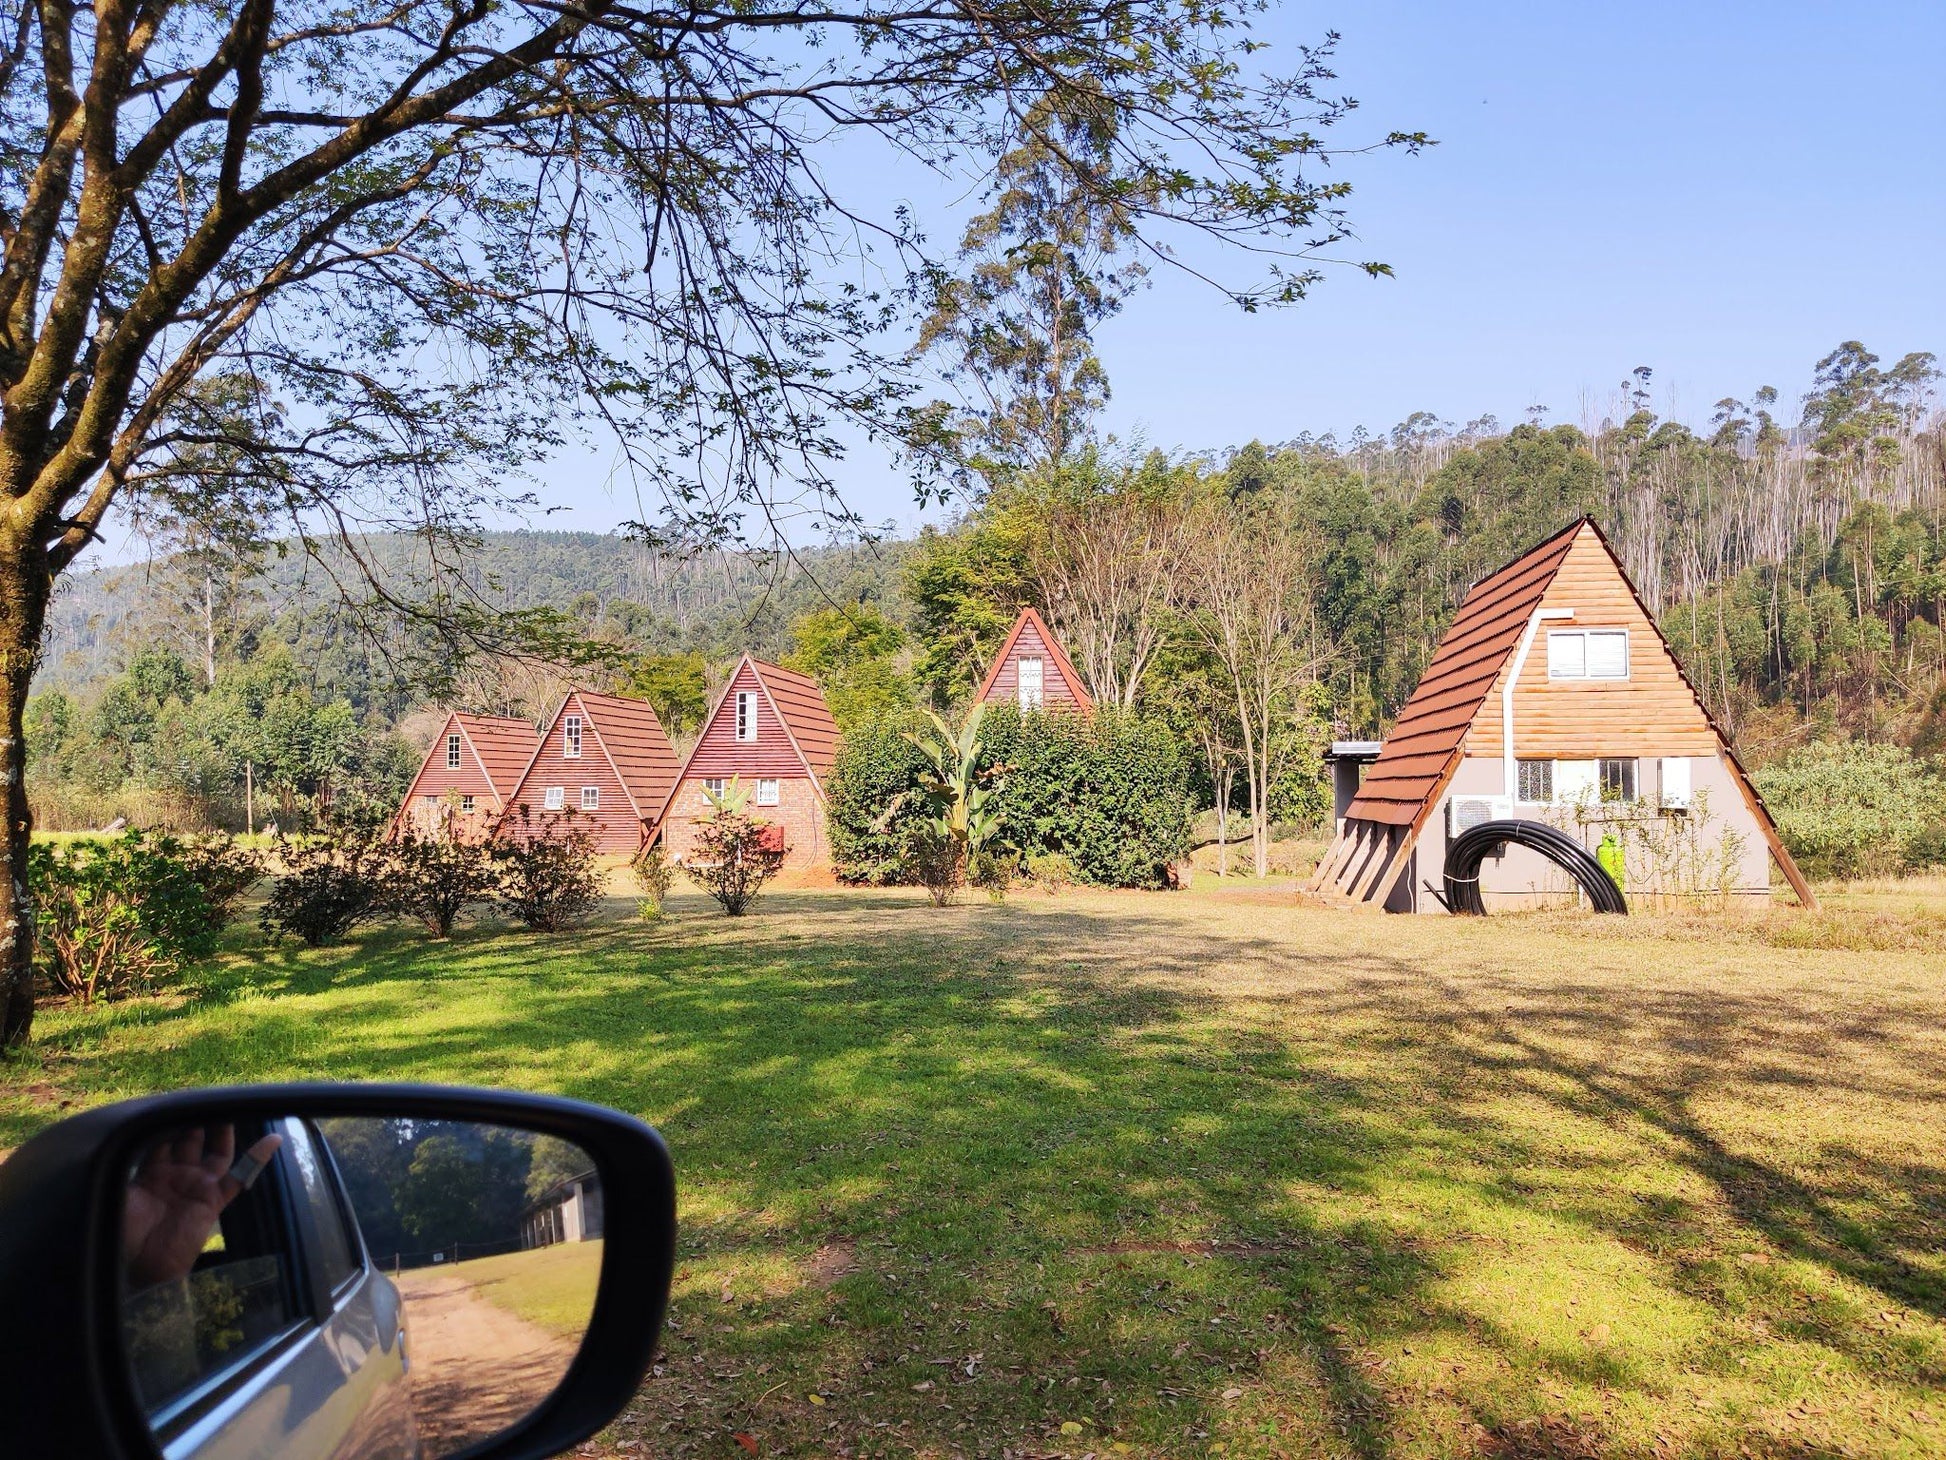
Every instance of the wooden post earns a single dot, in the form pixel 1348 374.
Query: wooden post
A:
pixel 249 800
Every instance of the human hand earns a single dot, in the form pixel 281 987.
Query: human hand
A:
pixel 178 1194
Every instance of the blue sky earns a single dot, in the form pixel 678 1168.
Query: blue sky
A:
pixel 1720 191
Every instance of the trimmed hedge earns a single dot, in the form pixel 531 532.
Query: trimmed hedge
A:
pixel 1110 792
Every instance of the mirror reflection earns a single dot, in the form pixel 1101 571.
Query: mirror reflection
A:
pixel 353 1286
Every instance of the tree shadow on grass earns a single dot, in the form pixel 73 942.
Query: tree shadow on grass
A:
pixel 1078 1184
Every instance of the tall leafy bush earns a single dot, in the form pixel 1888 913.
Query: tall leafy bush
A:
pixel 117 916
pixel 1110 792
pixel 736 853
pixel 547 878
pixel 435 879
pixel 1855 809
pixel 331 882
pixel 875 812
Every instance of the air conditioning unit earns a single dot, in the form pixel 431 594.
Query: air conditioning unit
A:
pixel 1463 813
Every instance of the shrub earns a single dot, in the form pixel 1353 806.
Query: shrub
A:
pixel 875 808
pixel 332 881
pixel 547 873
pixel 224 870
pixel 655 875
pixel 1853 809
pixel 933 861
pixel 116 917
pixel 1109 791
pixel 993 870
pixel 736 854
pixel 435 879
pixel 1051 871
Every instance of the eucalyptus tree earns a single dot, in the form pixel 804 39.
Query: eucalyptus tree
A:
pixel 355 265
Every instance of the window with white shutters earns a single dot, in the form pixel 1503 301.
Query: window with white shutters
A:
pixel 557 797
pixel 767 791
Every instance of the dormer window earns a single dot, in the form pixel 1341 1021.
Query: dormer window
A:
pixel 571 737
pixel 452 751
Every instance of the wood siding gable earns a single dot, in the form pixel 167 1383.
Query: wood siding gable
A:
pixel 1029 638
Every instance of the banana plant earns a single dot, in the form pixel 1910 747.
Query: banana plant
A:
pixel 953 786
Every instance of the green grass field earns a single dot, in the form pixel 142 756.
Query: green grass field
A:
pixel 1204 1173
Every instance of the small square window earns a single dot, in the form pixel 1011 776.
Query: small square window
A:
pixel 557 797
pixel 766 791
pixel 1618 780
pixel 571 738
pixel 1535 781
pixel 466 804
pixel 452 751
pixel 591 798
pixel 712 786
pixel 746 714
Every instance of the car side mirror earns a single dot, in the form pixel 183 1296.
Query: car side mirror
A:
pixel 380 1272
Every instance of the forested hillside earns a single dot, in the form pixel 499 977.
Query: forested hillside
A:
pixel 1256 602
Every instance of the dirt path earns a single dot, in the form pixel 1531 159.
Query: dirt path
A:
pixel 476 1368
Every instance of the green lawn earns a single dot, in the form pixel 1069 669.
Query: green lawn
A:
pixel 1205 1173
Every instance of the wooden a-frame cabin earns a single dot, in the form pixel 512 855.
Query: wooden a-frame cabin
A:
pixel 1033 671
pixel 1552 697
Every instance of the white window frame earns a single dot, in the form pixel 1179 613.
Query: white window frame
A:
pixel 713 786
pixel 1558 648
pixel 554 798
pixel 571 737
pixel 1035 698
pixel 767 791
pixel 746 712
pixel 466 805
pixel 591 798
pixel 453 753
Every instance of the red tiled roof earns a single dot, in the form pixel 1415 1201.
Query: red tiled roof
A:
pixel 1062 664
pixel 635 741
pixel 1432 727
pixel 800 705
pixel 503 746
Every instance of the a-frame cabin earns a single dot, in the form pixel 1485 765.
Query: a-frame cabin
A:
pixel 771 732
pixel 1033 671
pixel 1552 697
pixel 606 760
pixel 470 769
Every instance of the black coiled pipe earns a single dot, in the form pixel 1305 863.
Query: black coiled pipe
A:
pixel 1472 847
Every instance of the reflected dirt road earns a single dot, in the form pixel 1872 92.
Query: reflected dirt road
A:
pixel 475 1367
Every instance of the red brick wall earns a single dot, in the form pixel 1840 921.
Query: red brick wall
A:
pixel 798 811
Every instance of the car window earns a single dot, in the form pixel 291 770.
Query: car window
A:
pixel 229 1293
pixel 336 1250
